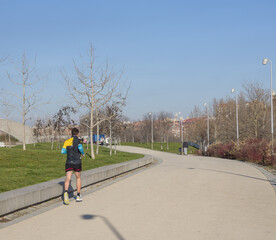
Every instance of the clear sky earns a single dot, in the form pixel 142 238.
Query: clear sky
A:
pixel 176 54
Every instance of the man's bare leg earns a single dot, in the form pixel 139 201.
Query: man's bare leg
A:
pixel 67 180
pixel 78 177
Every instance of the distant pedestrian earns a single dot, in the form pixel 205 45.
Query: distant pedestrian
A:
pixel 102 141
pixel 73 148
pixel 185 147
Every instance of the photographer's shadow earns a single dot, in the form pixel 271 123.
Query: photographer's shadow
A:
pixel 106 221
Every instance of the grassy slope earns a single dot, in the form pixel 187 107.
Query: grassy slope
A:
pixel 39 164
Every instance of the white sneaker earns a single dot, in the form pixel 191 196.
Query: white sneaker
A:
pixel 79 199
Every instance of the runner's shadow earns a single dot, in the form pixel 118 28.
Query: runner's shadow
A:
pixel 106 221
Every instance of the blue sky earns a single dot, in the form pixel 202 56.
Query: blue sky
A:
pixel 176 54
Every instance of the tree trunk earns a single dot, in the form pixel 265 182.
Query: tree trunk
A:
pixel 256 128
pixel 91 134
pixel 23 121
pixel 215 131
pixel 98 135
pixel 87 135
pixel 110 139
pixel 115 143
pixel 52 145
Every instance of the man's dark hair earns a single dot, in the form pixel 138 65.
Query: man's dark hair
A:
pixel 75 132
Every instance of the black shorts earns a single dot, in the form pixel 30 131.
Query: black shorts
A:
pixel 73 167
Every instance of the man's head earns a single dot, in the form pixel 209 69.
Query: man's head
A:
pixel 75 132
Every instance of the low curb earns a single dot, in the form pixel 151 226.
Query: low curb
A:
pixel 24 197
pixel 270 177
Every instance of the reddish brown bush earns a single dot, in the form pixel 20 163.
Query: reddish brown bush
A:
pixel 252 150
pixel 222 150
pixel 255 150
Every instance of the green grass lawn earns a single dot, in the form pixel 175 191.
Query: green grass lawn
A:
pixel 39 164
pixel 173 146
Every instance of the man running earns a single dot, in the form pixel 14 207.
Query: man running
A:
pixel 74 150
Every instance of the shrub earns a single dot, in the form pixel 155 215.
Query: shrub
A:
pixel 255 150
pixel 251 150
pixel 222 150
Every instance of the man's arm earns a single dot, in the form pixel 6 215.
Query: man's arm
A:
pixel 63 150
pixel 81 149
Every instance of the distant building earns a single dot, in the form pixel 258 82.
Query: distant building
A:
pixel 186 123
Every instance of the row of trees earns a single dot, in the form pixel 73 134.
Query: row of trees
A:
pixel 253 117
pixel 100 92
pixel 141 131
pixel 94 89
pixel 53 128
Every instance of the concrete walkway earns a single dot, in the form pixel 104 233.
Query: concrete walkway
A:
pixel 184 197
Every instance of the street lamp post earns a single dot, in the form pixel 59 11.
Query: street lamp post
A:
pixel 181 135
pixel 180 124
pixel 151 130
pixel 208 131
pixel 237 117
pixel 265 61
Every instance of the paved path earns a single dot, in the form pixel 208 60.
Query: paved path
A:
pixel 184 197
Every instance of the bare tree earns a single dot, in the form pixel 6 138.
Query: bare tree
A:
pixel 62 120
pixel 197 131
pixel 253 108
pixel 95 87
pixel 26 78
pixel 225 116
pixel 146 128
pixel 6 111
pixel 113 116
pixel 39 124
pixel 49 131
pixel 257 108
pixel 164 127
pixel 124 128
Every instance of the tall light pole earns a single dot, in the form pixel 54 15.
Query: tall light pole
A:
pixel 208 131
pixel 181 128
pixel 181 136
pixel 265 61
pixel 151 130
pixel 237 117
pixel 87 133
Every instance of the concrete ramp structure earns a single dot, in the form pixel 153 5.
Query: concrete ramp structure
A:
pixel 15 129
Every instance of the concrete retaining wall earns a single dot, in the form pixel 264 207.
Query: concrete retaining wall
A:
pixel 16 129
pixel 27 196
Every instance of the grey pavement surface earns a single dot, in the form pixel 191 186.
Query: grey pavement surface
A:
pixel 184 197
